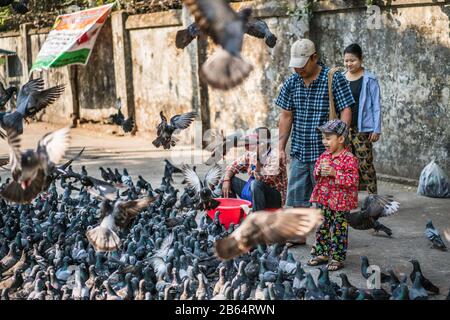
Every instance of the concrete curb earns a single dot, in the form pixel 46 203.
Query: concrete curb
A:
pixel 399 180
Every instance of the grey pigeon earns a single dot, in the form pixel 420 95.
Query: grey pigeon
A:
pixel 31 99
pixel 417 292
pixel 226 68
pixel 113 218
pixel 373 208
pixel 30 168
pixel 424 281
pixel 119 119
pixel 166 129
pixel 433 235
pixel 203 189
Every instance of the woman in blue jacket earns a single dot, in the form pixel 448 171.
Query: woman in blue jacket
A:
pixel 365 127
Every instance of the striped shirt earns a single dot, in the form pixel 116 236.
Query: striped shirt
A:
pixel 310 108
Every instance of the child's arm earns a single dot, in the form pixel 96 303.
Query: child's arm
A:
pixel 348 176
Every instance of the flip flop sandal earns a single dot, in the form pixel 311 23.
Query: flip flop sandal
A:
pixel 317 261
pixel 335 265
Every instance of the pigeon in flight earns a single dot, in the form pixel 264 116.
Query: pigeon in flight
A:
pixel 226 68
pixel 31 99
pixel 165 130
pixel 255 27
pixel 30 168
pixel 373 208
pixel 113 218
pixel 268 228
pixel 203 189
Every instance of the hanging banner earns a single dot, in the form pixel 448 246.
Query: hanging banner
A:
pixel 72 38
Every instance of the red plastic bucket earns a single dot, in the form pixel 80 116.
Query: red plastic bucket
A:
pixel 230 210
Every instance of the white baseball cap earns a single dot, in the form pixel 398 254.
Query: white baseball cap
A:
pixel 301 50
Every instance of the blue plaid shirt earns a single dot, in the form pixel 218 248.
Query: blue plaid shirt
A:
pixel 310 107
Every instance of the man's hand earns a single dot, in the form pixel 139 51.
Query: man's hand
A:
pixel 226 188
pixel 373 137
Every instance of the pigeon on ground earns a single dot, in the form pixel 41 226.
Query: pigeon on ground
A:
pixel 373 208
pixel 418 292
pixel 424 281
pixel 30 169
pixel 433 235
pixel 119 119
pixel 170 169
pixel 96 187
pixel 165 130
pixel 226 68
pixel 268 228
pixel 365 265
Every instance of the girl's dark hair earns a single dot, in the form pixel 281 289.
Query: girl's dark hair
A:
pixel 354 49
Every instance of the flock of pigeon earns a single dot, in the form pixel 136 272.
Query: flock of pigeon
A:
pixel 114 238
pixel 150 245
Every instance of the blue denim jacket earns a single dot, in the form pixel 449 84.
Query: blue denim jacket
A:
pixel 369 117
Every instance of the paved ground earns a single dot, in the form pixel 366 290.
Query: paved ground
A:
pixel 408 241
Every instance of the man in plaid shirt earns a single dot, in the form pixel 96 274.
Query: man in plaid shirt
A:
pixel 305 106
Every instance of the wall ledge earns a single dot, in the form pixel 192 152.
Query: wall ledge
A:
pixel 154 20
pixel 399 180
pixel 342 5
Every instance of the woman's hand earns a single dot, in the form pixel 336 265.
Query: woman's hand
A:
pixel 282 157
pixel 373 137
pixel 226 188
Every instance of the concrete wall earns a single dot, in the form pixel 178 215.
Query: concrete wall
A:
pixel 96 80
pixel 135 58
pixel 161 75
pixel 410 54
